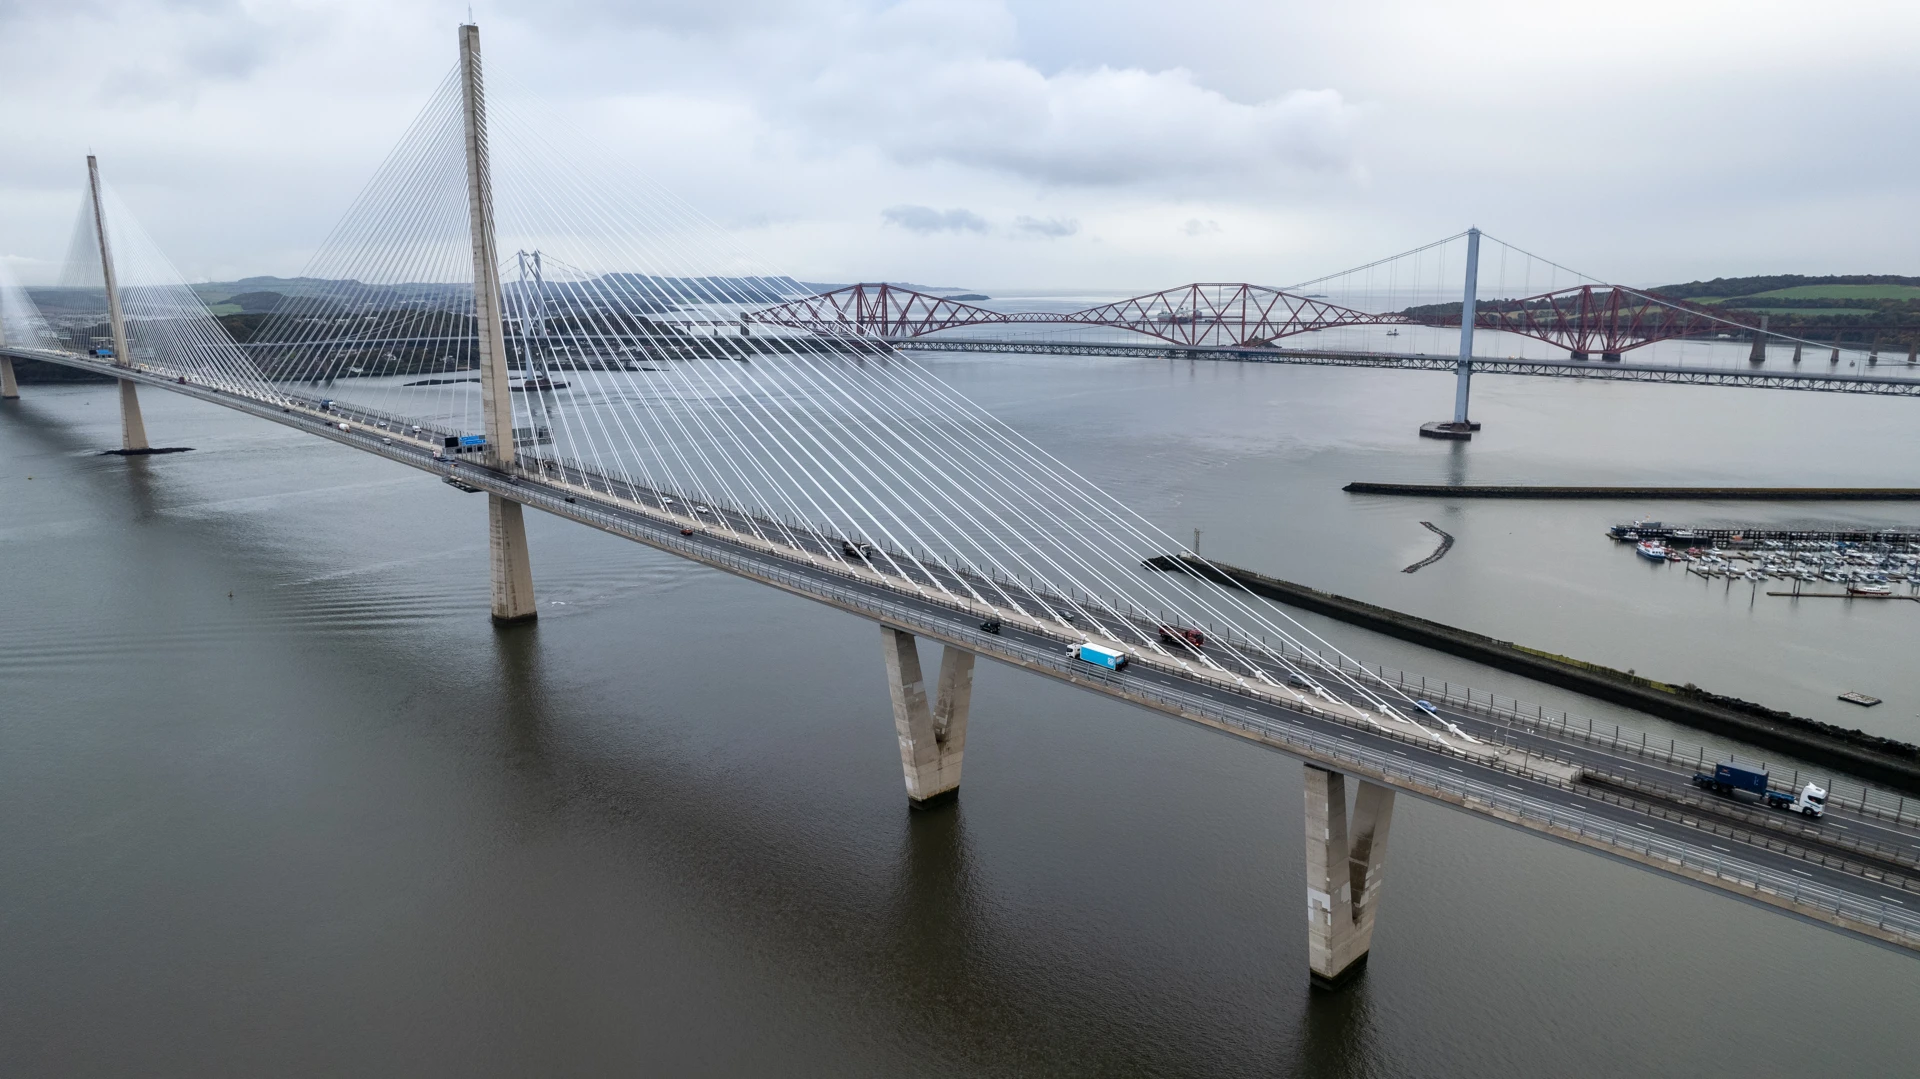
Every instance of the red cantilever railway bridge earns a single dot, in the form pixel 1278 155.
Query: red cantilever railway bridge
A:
pixel 1583 320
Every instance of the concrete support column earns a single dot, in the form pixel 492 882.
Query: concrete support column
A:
pixel 512 570
pixel 133 428
pixel 1758 354
pixel 1345 872
pixel 932 739
pixel 9 389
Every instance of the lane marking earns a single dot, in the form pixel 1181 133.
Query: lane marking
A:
pixel 1891 899
pixel 1723 850
pixel 1396 752
pixel 1807 875
pixel 1451 768
pixel 1511 787
pixel 1637 824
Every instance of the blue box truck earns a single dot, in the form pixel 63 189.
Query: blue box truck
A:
pixel 1111 658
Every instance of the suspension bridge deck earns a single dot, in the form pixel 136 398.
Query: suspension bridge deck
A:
pixel 1813 377
pixel 1521 770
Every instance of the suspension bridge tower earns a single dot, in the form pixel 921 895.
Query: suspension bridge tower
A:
pixel 133 429
pixel 1460 428
pixel 511 568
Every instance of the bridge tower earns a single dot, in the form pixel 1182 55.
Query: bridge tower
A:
pixel 1346 862
pixel 133 429
pixel 932 737
pixel 512 570
pixel 1460 428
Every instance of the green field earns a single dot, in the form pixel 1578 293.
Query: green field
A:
pixel 1808 312
pixel 234 309
pixel 1845 292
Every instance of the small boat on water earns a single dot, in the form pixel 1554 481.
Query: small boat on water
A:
pixel 1651 550
pixel 1869 590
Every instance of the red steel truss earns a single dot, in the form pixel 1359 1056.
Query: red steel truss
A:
pixel 1586 319
pixel 1594 318
pixel 879 310
pixel 1198 314
pixel 1226 314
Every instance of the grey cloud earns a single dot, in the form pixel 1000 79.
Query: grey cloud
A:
pixel 926 219
pixel 1051 227
pixel 1197 227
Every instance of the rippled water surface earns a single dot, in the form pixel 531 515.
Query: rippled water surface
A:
pixel 279 800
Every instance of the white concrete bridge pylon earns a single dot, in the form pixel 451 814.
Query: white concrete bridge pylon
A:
pixel 133 428
pixel 511 567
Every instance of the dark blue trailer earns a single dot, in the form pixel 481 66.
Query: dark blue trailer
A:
pixel 1729 777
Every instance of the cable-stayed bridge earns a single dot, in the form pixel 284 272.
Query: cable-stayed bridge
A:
pixel 555 335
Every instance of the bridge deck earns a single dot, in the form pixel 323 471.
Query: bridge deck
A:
pixel 1813 377
pixel 1513 771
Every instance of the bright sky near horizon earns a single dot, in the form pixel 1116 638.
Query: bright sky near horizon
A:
pixel 1005 144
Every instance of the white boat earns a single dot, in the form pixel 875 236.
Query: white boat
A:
pixel 1869 590
pixel 1651 550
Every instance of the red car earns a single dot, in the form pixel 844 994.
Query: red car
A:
pixel 1191 638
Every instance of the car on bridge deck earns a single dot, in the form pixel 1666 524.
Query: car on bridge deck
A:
pixel 1187 638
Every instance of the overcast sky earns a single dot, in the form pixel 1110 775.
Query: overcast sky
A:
pixel 1011 143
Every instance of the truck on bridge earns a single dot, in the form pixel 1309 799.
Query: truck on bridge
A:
pixel 1729 777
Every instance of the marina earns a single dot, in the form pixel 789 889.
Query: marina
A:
pixel 1880 564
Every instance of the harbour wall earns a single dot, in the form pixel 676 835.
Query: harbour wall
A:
pixel 1759 494
pixel 1886 761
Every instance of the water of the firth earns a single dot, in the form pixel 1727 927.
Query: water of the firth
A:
pixel 277 799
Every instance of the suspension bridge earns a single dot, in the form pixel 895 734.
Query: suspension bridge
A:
pixel 608 372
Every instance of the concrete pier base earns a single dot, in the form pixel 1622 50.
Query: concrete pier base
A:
pixel 1447 429
pixel 133 429
pixel 9 389
pixel 1345 869
pixel 933 738
pixel 512 568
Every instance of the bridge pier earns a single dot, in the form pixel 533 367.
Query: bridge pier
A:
pixel 932 738
pixel 512 569
pixel 1758 353
pixel 133 428
pixel 9 389
pixel 1345 868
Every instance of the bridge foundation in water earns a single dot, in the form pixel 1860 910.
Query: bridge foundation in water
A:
pixel 9 389
pixel 933 735
pixel 512 568
pixel 1345 865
